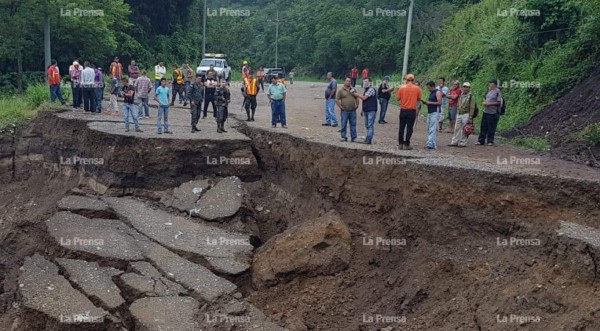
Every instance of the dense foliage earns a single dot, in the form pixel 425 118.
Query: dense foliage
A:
pixel 537 57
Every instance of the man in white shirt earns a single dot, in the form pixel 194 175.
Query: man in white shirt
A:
pixel 159 73
pixel 87 82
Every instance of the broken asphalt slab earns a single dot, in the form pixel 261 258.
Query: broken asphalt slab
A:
pixel 221 201
pixel 165 314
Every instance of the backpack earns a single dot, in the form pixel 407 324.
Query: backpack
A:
pixel 476 111
pixel 502 106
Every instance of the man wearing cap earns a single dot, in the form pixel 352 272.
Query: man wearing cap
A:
pixel 330 91
pixel 116 69
pixel 75 74
pixel 245 69
pixel 491 114
pixel 384 92
pixel 465 110
pixel 408 96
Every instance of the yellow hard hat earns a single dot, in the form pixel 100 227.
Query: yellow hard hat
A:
pixel 245 62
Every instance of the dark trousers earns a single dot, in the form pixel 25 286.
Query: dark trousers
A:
pixel 89 99
pixel 177 89
pixel 261 83
pixel 489 123
pixel 196 109
pixel 99 91
pixel 353 81
pixel 210 98
pixel 407 122
pixel 250 103
pixel 76 92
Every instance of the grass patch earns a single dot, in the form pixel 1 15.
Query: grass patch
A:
pixel 18 109
pixel 590 134
pixel 535 143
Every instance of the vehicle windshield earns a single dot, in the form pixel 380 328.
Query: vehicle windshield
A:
pixel 209 62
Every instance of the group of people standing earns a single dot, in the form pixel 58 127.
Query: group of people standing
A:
pixel 458 103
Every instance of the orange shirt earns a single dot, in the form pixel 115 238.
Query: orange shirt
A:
pixel 409 95
pixel 53 76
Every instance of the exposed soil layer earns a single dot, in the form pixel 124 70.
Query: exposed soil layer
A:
pixel 564 119
pixel 433 247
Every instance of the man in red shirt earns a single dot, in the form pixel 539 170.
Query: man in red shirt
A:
pixel 453 96
pixel 354 75
pixel 365 75
pixel 54 83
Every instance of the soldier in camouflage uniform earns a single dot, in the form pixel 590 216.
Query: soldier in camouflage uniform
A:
pixel 196 95
pixel 222 99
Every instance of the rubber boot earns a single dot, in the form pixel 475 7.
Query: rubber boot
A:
pixel 223 127
pixel 253 111
pixel 219 130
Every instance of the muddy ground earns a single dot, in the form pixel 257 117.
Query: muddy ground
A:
pixel 479 247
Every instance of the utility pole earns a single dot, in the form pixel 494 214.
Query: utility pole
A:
pixel 407 43
pixel 204 31
pixel 47 52
pixel 276 22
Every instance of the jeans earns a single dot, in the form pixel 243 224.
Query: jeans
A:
pixel 177 89
pixel 384 106
pixel 89 99
pixel 370 124
pixel 432 128
pixel 99 91
pixel 129 108
pixel 210 98
pixel 113 105
pixel 77 94
pixel 278 112
pixel 459 138
pixel 330 117
pixel 407 122
pixel 349 116
pixel 489 123
pixel 196 109
pixel 452 113
pixel 56 93
pixel 144 110
pixel 163 111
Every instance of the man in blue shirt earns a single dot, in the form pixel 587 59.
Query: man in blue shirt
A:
pixel 369 109
pixel 276 94
pixel 162 97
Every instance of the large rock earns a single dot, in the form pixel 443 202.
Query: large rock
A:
pixel 184 197
pixel 101 237
pixel 165 314
pixel 318 247
pixel 149 282
pixel 221 201
pixel 192 276
pixel 94 281
pixel 45 291
pixel 86 206
pixel 227 252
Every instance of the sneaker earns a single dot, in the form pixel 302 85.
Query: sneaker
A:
pixel 429 147
pixel 408 148
pixel 326 124
pixel 126 130
pixel 401 147
pixel 490 144
pixel 284 126
pixel 159 132
pixel 334 126
pixel 168 132
pixel 344 140
pixel 480 143
pixel 147 116
pixel 368 142
pixel 273 126
pixel 138 130
pixel 353 140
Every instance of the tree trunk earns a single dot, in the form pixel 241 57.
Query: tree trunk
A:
pixel 19 69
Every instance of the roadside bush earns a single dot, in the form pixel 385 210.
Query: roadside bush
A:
pixel 590 134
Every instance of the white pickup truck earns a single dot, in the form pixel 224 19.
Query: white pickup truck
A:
pixel 219 63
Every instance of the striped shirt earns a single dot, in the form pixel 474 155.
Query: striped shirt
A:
pixel 143 87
